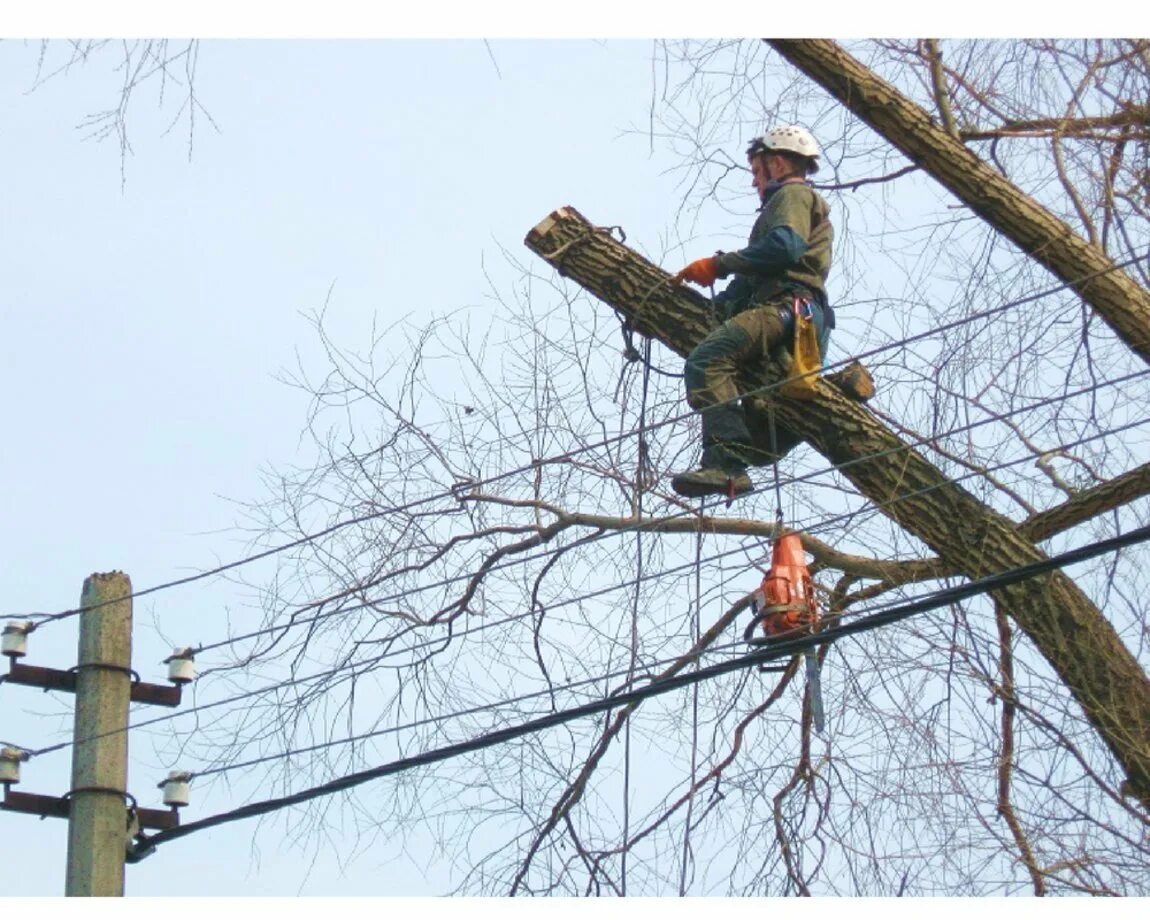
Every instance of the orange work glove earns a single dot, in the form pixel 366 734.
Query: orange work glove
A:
pixel 702 272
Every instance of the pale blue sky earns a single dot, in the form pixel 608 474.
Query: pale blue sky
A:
pixel 144 326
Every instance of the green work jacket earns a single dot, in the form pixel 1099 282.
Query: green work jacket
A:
pixel 789 250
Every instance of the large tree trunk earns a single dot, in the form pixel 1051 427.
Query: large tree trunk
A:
pixel 1118 299
pixel 1070 632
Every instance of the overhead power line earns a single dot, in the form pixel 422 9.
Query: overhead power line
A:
pixel 361 664
pixel 924 440
pixel 630 583
pixel 847 617
pixel 41 618
pixel 625 673
pixel 811 527
pixel 661 686
pixel 474 710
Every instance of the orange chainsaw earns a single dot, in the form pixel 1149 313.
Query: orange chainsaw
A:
pixel 785 606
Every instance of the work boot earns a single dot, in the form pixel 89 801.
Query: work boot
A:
pixel 712 481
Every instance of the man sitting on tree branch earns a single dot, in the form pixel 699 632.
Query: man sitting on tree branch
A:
pixel 782 270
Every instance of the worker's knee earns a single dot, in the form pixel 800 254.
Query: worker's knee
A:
pixel 711 368
pixel 708 380
pixel 699 379
pixel 716 357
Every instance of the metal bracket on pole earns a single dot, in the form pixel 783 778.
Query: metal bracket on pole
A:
pixel 57 806
pixel 55 679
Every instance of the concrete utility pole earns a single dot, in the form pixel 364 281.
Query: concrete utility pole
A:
pixel 97 824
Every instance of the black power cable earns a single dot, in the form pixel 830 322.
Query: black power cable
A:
pixel 658 687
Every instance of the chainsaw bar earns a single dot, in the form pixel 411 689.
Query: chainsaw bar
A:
pixel 814 685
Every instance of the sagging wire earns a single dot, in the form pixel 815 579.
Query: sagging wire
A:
pixel 924 440
pixel 663 685
pixel 841 624
pixel 812 528
pixel 453 492
pixel 824 524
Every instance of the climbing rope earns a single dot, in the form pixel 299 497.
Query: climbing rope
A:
pixel 775 456
pixel 645 479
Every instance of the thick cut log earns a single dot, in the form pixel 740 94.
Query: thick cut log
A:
pixel 1061 621
pixel 1121 302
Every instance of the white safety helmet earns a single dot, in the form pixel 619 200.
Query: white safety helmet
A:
pixel 791 139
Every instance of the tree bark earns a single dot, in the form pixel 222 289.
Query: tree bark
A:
pixel 1062 622
pixel 1121 302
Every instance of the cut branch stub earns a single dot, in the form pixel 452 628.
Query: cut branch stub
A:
pixel 617 274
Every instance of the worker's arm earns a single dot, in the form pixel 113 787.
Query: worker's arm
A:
pixel 780 248
pixel 788 217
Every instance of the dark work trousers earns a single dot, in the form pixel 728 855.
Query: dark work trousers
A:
pixel 742 342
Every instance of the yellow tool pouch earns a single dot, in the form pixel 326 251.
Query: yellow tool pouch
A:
pixel 805 358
